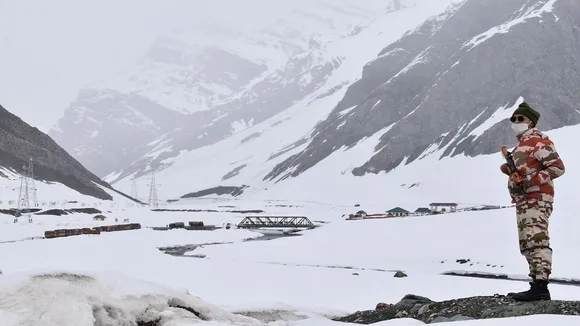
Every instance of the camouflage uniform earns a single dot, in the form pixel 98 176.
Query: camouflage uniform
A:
pixel 538 162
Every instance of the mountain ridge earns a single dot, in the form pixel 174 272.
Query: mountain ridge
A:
pixel 22 143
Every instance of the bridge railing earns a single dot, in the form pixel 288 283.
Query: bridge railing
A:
pixel 250 222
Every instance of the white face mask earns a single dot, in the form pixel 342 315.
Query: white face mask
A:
pixel 520 128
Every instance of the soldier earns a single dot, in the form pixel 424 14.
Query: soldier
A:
pixel 538 164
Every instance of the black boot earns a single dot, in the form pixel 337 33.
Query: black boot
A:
pixel 538 291
pixel 511 294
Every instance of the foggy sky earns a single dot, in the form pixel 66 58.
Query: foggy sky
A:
pixel 50 49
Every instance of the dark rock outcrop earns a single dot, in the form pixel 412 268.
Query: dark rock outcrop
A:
pixel 59 212
pixel 198 210
pixel 220 190
pixel 400 274
pixel 21 143
pixel 482 307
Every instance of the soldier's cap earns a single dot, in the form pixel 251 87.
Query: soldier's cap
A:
pixel 525 110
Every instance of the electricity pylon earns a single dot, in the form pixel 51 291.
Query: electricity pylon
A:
pixel 153 200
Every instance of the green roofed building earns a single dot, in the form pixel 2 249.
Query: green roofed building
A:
pixel 398 211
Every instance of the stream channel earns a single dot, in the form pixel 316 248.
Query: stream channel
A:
pixel 182 250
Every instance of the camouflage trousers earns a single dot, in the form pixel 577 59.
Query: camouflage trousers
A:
pixel 534 238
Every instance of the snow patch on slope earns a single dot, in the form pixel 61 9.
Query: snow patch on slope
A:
pixel 535 11
pixel 501 114
pixel 419 59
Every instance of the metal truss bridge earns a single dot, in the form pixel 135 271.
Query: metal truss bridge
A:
pixel 251 222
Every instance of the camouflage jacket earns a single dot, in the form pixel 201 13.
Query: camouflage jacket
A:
pixel 538 163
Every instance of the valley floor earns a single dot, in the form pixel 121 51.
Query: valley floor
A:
pixel 333 270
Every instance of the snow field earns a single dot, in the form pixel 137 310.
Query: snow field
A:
pixel 300 274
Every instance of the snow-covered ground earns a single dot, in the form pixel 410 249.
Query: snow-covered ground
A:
pixel 310 276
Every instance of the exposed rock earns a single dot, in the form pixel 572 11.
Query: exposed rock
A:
pixel 250 137
pixel 400 274
pixel 233 172
pixel 59 212
pixel 409 301
pixel 64 276
pixel 197 210
pixel 183 249
pixel 481 307
pixel 220 190
pixel 268 316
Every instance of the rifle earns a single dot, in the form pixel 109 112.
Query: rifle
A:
pixel 517 178
pixel 512 165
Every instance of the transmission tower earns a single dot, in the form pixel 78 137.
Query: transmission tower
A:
pixel 24 195
pixel 153 202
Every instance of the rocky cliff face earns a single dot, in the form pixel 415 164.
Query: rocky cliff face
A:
pixel 21 142
pixel 438 89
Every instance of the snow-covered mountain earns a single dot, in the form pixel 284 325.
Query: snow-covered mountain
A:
pixel 443 90
pixel 438 88
pixel 58 175
pixel 222 79
pixel 451 83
